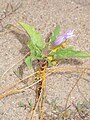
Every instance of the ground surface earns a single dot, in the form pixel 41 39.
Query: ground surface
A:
pixel 44 15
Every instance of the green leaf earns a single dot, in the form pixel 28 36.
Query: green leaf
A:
pixel 33 56
pixel 36 54
pixel 30 45
pixel 55 33
pixel 35 36
pixel 70 53
pixel 28 61
pixel 34 48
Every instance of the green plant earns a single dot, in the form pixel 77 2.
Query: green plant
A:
pixel 56 49
pixel 59 50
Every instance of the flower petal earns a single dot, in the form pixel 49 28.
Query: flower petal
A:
pixel 63 37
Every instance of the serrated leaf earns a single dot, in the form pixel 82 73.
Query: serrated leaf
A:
pixel 70 53
pixel 55 33
pixel 28 61
pixel 35 36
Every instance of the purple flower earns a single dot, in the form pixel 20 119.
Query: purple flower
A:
pixel 63 37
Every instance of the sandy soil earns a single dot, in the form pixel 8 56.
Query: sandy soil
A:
pixel 44 15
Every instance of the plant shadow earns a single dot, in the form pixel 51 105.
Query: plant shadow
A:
pixel 72 61
pixel 23 39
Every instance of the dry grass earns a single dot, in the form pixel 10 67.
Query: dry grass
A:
pixel 65 113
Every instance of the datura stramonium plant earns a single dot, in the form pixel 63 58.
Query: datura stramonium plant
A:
pixel 57 46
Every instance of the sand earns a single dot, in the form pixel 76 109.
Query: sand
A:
pixel 44 15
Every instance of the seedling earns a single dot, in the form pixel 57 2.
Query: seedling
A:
pixel 55 49
pixel 43 55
